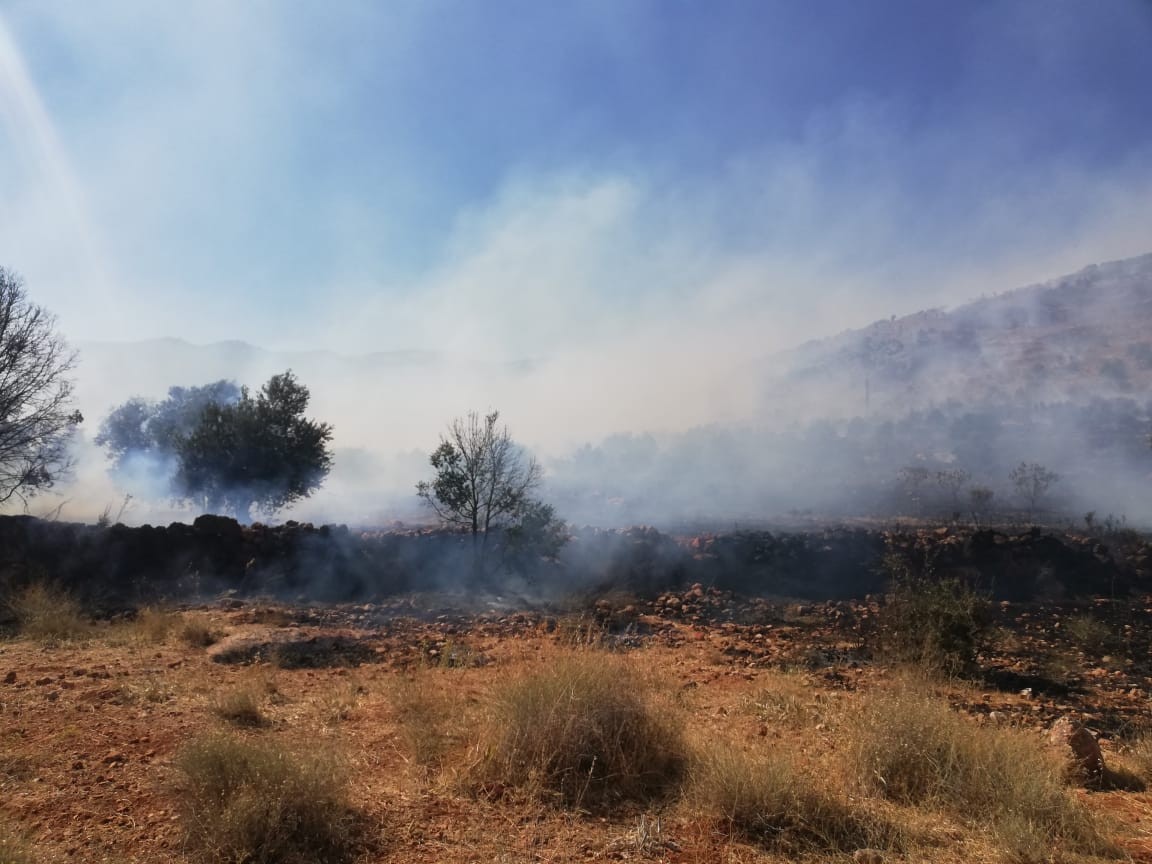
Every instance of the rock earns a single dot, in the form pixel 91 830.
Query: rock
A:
pixel 10 678
pixel 113 757
pixel 1086 761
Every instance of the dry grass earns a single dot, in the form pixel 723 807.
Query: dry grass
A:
pixel 429 720
pixel 583 734
pixel 915 750
pixel 786 700
pixel 240 707
pixel 767 801
pixel 14 849
pixel 197 634
pixel 257 803
pixel 48 614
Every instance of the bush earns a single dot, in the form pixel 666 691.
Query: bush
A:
pixel 582 733
pixel 915 750
pixel 240 707
pixel 259 804
pixel 768 802
pixel 935 623
pixel 49 614
pixel 197 634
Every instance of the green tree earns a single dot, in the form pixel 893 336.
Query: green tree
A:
pixel 257 452
pixel 484 482
pixel 224 449
pixel 141 427
pixel 36 420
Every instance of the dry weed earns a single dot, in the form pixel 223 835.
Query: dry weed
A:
pixel 583 733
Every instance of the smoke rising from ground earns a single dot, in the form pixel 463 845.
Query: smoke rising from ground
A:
pixel 607 222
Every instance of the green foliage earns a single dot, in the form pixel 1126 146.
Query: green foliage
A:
pixel 483 479
pixel 257 803
pixel 932 622
pixel 229 451
pixel 537 534
pixel 140 426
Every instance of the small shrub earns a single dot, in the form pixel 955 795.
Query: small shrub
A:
pixel 49 614
pixel 582 733
pixel 1090 634
pixel 153 625
pixel 915 750
pixel 767 801
pixel 934 623
pixel 258 803
pixel 197 634
pixel 240 707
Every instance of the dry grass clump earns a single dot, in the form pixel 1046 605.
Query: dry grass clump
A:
pixel 767 801
pixel 49 614
pixel 583 733
pixel 914 749
pixel 424 711
pixel 257 803
pixel 240 707
pixel 197 634
pixel 13 848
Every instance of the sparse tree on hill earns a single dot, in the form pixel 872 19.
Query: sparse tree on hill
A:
pixel 1032 482
pixel 36 418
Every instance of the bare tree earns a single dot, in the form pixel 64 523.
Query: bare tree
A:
pixel 36 421
pixel 483 479
pixel 980 499
pixel 1032 481
pixel 952 481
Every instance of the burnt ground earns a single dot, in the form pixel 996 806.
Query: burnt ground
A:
pixel 89 730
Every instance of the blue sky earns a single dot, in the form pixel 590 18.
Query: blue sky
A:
pixel 532 178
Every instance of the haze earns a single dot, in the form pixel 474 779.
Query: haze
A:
pixel 601 218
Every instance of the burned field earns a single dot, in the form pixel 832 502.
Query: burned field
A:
pixel 736 697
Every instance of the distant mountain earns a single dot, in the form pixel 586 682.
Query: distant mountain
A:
pixel 1075 338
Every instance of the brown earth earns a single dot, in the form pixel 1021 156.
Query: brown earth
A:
pixel 89 731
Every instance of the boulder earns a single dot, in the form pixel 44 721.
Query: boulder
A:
pixel 1080 747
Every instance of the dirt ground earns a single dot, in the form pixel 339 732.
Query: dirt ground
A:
pixel 89 729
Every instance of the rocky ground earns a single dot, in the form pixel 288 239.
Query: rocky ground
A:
pixel 89 729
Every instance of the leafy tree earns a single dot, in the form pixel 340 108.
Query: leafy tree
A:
pixel 141 427
pixel 36 422
pixel 232 452
pixel 484 482
pixel 1032 481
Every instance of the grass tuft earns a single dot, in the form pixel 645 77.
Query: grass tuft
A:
pixel 767 801
pixel 915 750
pixel 46 613
pixel 258 803
pixel 583 734
pixel 240 707
pixel 14 849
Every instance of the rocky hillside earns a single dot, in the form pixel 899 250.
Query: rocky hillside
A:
pixel 1076 338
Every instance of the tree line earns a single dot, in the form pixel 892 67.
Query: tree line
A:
pixel 224 449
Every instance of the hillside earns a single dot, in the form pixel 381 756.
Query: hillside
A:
pixel 1079 337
